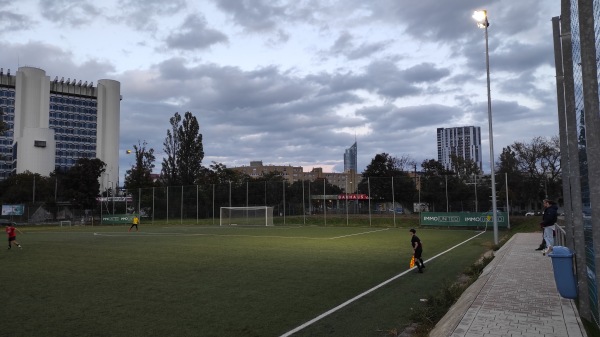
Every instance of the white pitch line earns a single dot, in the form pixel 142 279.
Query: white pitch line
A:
pixel 206 234
pixel 113 234
pixel 363 233
pixel 329 312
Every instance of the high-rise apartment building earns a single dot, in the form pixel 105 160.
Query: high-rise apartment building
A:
pixel 52 124
pixel 463 142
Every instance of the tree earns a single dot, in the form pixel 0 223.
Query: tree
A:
pixel 169 173
pixel 464 167
pixel 191 150
pixel 184 150
pixel 382 165
pixel 404 163
pixel 140 174
pixel 445 190
pixel 381 172
pixel 539 163
pixel 26 187
pixel 82 186
pixel 432 167
pixel 218 173
pixel 433 183
pixel 517 182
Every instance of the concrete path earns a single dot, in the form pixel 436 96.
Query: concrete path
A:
pixel 516 295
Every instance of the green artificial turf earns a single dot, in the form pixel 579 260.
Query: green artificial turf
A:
pixel 213 281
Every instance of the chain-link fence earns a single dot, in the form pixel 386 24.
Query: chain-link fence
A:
pixel 292 203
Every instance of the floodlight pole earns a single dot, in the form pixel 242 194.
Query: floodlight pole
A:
pixel 485 24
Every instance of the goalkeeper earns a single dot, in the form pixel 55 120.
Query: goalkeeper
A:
pixel 417 246
pixel 134 223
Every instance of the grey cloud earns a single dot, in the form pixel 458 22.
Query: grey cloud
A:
pixel 451 21
pixel 231 88
pixel 425 72
pixel 336 82
pixel 175 69
pixel 520 17
pixel 343 42
pixel 427 19
pixel 519 57
pixel 407 118
pixel 10 21
pixel 247 115
pixel 385 79
pixel 344 45
pixel 57 62
pixel 145 121
pixel 404 131
pixel 259 15
pixel 194 34
pixel 366 50
pixel 270 16
pixel 527 84
pixel 225 88
pixel 68 12
pixel 144 14
pixel 508 111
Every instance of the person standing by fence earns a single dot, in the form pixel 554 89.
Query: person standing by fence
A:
pixel 548 221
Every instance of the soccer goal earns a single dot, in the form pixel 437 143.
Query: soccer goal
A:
pixel 65 223
pixel 246 216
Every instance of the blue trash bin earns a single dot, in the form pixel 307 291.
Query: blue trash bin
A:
pixel 562 263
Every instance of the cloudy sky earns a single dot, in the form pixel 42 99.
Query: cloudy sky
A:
pixel 296 82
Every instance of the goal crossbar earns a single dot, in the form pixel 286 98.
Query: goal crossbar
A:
pixel 246 216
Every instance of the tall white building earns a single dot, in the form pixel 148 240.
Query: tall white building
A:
pixel 463 142
pixel 52 124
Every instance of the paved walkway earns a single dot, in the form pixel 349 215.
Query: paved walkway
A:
pixel 515 296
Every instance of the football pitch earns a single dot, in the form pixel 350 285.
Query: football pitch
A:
pixel 224 281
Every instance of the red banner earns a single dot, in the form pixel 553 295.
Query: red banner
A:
pixel 353 197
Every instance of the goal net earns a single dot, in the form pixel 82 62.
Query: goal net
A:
pixel 246 216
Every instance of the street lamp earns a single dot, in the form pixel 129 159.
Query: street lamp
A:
pixel 482 22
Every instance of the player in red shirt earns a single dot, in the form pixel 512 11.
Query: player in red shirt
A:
pixel 12 235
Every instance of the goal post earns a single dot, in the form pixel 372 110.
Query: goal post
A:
pixel 246 216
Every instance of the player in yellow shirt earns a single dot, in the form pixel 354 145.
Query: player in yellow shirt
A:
pixel 134 223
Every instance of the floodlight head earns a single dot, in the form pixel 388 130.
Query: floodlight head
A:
pixel 480 17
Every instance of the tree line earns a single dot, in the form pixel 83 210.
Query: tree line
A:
pixel 532 170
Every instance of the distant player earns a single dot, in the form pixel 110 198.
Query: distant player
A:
pixel 12 235
pixel 417 247
pixel 134 223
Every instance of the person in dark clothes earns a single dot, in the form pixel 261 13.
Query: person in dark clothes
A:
pixel 417 247
pixel 549 219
